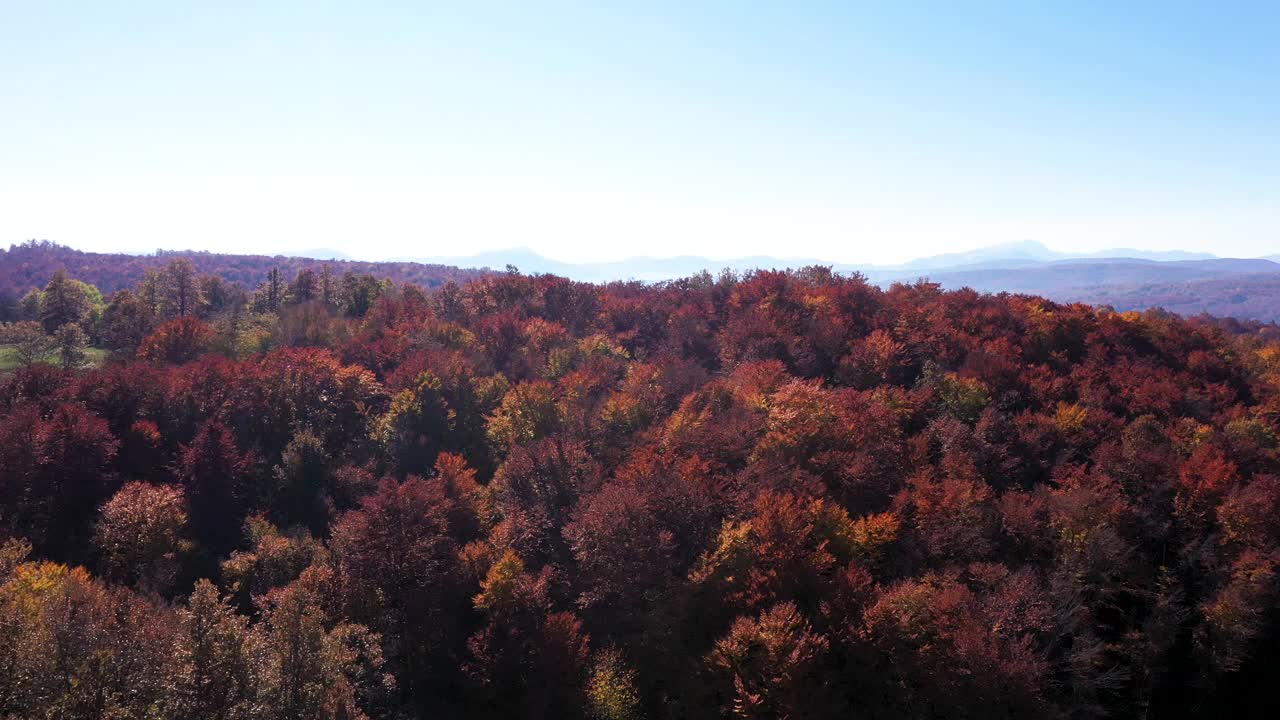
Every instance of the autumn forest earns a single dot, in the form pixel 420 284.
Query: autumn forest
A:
pixel 314 491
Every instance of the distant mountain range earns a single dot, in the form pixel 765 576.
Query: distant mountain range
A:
pixel 1027 253
pixel 1076 277
pixel 1030 251
pixel 1124 278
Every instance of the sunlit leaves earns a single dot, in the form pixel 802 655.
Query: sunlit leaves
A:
pixel 140 535
pixel 769 662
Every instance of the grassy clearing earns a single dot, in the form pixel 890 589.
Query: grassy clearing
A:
pixel 94 357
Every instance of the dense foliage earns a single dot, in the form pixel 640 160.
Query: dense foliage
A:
pixel 29 265
pixel 775 495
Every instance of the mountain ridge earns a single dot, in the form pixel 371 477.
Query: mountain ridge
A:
pixel 649 268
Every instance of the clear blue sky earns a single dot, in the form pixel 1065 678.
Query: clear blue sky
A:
pixel 853 132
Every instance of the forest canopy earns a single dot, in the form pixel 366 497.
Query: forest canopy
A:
pixel 324 493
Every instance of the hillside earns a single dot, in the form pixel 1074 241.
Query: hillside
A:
pixel 797 494
pixel 1240 288
pixel 1072 275
pixel 30 265
pixel 1248 296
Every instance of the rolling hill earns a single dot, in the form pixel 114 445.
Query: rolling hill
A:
pixel 29 265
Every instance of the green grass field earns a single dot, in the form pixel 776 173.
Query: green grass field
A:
pixel 9 359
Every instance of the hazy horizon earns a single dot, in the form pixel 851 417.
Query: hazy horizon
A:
pixel 865 134
pixel 989 251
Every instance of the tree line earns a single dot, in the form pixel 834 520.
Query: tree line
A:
pixel 30 264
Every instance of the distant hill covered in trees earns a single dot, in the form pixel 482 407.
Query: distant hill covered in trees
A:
pixel 30 265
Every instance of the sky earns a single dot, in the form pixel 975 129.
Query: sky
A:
pixel 846 131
